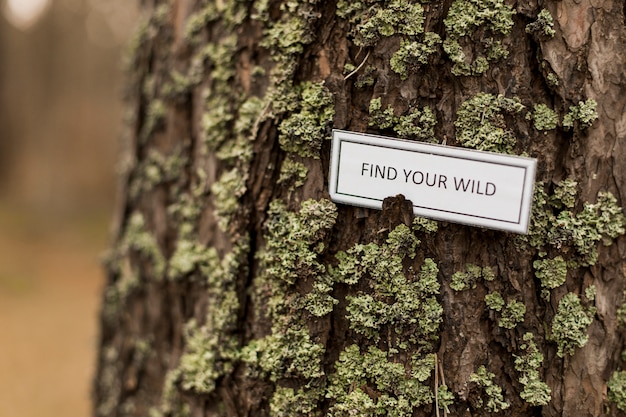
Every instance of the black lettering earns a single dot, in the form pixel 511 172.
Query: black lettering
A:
pixel 442 180
pixel 406 175
pixel 478 189
pixel 434 178
pixel 364 168
pixel 493 188
pixel 391 170
pixel 380 171
pixel 421 179
pixel 461 183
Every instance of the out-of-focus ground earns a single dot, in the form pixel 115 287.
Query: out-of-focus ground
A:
pixel 61 118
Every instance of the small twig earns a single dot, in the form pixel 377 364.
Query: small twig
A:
pixel 443 377
pixel 257 122
pixel 359 67
pixel 443 380
pixel 436 386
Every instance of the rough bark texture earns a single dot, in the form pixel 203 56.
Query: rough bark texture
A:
pixel 236 288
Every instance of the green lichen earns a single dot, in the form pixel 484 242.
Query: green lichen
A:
pixel 211 348
pixel 488 274
pixel 528 363
pixel 494 301
pixel 480 123
pixel 319 302
pixel 494 402
pixel 465 17
pixel 423 224
pixel 465 280
pixel 554 225
pixel 155 119
pixel 406 305
pixel 366 77
pixel 239 149
pixel 227 191
pixel 551 272
pixel 138 238
pixel 552 79
pixel 422 366
pixel 287 402
pixel 617 389
pixel 570 323
pixel 413 54
pixel 544 25
pixel 374 384
pixel 191 256
pixel 294 241
pixel 198 21
pixel 564 195
pixel 292 173
pixel 311 113
pixel 584 113
pixel 445 397
pixel 371 23
pixel 221 98
pixel 544 118
pixel 178 86
pixel 286 38
pixel 286 354
pixel 382 119
pixel 512 314
pixel 417 124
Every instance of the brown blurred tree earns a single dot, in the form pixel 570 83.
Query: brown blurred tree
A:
pixel 237 288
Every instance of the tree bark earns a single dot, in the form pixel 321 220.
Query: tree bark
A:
pixel 235 287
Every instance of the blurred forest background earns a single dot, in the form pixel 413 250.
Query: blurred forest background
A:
pixel 61 116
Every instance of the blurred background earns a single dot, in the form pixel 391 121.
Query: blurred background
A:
pixel 61 112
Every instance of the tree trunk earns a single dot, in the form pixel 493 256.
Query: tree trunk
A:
pixel 237 288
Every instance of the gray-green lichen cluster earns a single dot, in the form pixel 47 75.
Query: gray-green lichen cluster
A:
pixel 400 309
pixel 511 313
pixel 480 123
pixel 554 224
pixel 416 124
pixel 544 25
pixel 551 272
pixel 408 306
pixel 310 109
pixel 617 389
pixel 400 391
pixel 544 118
pixel 528 364
pixel 396 17
pixel 295 242
pixel 467 279
pixel 569 327
pixel 556 228
pixel 494 401
pixel 493 18
pixel 584 114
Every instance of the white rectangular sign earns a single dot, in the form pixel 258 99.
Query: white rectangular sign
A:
pixel 446 183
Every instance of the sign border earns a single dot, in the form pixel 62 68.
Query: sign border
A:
pixel 527 164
